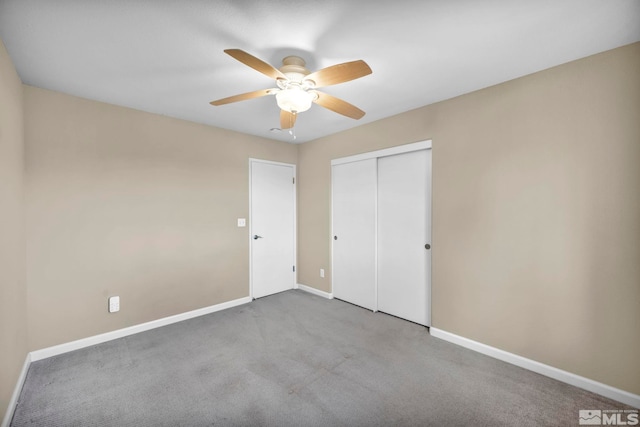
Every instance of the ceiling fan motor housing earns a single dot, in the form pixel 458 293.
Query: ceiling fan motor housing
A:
pixel 294 68
pixel 294 96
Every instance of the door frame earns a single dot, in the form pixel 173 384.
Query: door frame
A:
pixel 295 220
pixel 391 151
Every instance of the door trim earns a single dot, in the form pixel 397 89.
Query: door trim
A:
pixel 295 222
pixel 391 151
pixel 399 149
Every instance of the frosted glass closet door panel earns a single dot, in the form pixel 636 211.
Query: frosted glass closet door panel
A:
pixel 354 226
pixel 404 227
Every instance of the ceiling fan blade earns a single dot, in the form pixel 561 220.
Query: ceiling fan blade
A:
pixel 287 119
pixel 243 97
pixel 339 73
pixel 255 63
pixel 338 105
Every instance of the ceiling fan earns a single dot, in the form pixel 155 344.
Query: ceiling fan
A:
pixel 296 86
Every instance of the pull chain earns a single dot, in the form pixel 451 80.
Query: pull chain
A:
pixel 292 118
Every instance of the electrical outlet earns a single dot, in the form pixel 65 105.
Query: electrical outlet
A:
pixel 322 272
pixel 114 304
pixel 242 222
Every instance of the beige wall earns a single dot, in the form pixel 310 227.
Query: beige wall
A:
pixel 121 202
pixel 13 299
pixel 536 213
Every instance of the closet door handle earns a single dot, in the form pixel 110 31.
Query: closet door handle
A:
pixel 427 246
pixel 256 237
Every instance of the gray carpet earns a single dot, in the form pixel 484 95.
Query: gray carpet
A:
pixel 292 359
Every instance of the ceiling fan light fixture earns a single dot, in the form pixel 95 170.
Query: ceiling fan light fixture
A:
pixel 295 99
pixel 295 91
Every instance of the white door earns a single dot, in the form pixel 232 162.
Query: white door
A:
pixel 354 229
pixel 404 228
pixel 272 226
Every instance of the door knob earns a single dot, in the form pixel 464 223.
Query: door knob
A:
pixel 256 237
pixel 427 246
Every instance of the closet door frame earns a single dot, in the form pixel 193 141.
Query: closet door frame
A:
pixel 399 149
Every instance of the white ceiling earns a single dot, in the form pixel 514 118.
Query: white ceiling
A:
pixel 166 57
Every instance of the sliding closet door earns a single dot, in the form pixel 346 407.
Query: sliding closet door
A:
pixel 354 230
pixel 404 227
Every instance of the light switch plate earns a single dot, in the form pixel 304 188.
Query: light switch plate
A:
pixel 114 304
pixel 242 222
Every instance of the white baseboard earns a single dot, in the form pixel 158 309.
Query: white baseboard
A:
pixel 108 336
pixel 16 392
pixel 540 368
pixel 314 291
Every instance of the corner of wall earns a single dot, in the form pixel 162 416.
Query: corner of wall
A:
pixel 13 297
